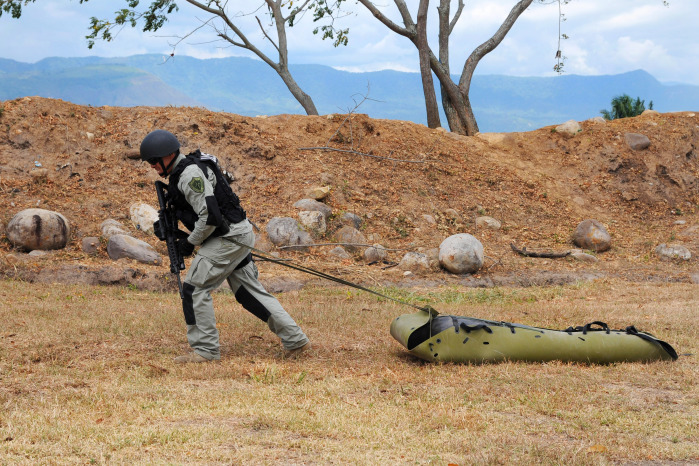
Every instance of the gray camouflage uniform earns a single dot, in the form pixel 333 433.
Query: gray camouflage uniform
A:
pixel 216 260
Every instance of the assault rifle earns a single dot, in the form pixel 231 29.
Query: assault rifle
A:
pixel 167 221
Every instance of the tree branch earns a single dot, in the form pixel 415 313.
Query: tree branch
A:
pixel 387 22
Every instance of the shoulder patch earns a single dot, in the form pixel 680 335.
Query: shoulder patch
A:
pixel 197 184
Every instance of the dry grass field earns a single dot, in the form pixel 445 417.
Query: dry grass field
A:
pixel 86 377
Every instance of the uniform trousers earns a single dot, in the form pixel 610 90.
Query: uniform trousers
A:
pixel 220 259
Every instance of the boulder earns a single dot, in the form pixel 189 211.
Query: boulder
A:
pixel 313 220
pixel 591 234
pixel 120 246
pixel 112 227
pixel 351 219
pixel 313 205
pixel 414 262
pixel 143 216
pixel 461 253
pixel 285 231
pixel 339 252
pixel 375 253
pixel 33 229
pixel 350 237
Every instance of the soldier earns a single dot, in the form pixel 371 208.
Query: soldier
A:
pixel 207 206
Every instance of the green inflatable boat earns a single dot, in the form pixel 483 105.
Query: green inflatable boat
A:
pixel 434 337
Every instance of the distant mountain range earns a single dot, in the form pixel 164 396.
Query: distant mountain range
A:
pixel 249 87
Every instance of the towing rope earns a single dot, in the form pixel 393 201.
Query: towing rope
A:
pixel 259 254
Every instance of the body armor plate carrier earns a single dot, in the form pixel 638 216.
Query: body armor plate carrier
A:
pixel 224 207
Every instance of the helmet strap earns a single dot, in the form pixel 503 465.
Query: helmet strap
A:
pixel 166 170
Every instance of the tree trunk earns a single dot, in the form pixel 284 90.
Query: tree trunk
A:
pixel 480 52
pixel 431 106
pixel 282 67
pixel 303 98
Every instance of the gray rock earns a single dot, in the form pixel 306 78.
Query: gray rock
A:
pixel 350 236
pixel 569 129
pixel 313 205
pixel 583 256
pixel 112 227
pixel 414 262
pixel 433 258
pixel 375 253
pixel 313 220
pixel 637 141
pixel 33 229
pixel 452 214
pixel 285 231
pixel 488 222
pixel 461 253
pixel 143 216
pixel 673 251
pixel 351 219
pixel 90 244
pixel 120 246
pixel 597 119
pixel 339 252
pixel 591 234
pixel 429 220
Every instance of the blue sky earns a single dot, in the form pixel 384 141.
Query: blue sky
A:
pixel 606 37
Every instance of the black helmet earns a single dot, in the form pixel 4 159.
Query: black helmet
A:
pixel 158 144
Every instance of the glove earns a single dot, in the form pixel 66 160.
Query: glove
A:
pixel 159 233
pixel 184 247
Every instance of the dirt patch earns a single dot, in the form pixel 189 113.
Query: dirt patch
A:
pixel 538 184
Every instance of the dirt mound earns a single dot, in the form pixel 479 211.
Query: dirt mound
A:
pixel 538 184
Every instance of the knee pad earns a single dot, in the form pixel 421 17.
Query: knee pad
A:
pixel 251 304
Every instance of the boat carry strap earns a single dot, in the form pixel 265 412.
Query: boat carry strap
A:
pixel 261 255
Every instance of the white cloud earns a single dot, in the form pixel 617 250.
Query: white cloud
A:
pixel 606 37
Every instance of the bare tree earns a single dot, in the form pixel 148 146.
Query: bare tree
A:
pixel 226 23
pixel 455 96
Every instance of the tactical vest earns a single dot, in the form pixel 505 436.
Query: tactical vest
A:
pixel 224 207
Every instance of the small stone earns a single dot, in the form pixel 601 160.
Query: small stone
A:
pixel 39 175
pixel 673 251
pixel 90 244
pixel 637 141
pixel 351 219
pixel 583 257
pixel 488 222
pixel 569 129
pixel 319 193
pixel 339 252
pixel 452 214
pixel 429 220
